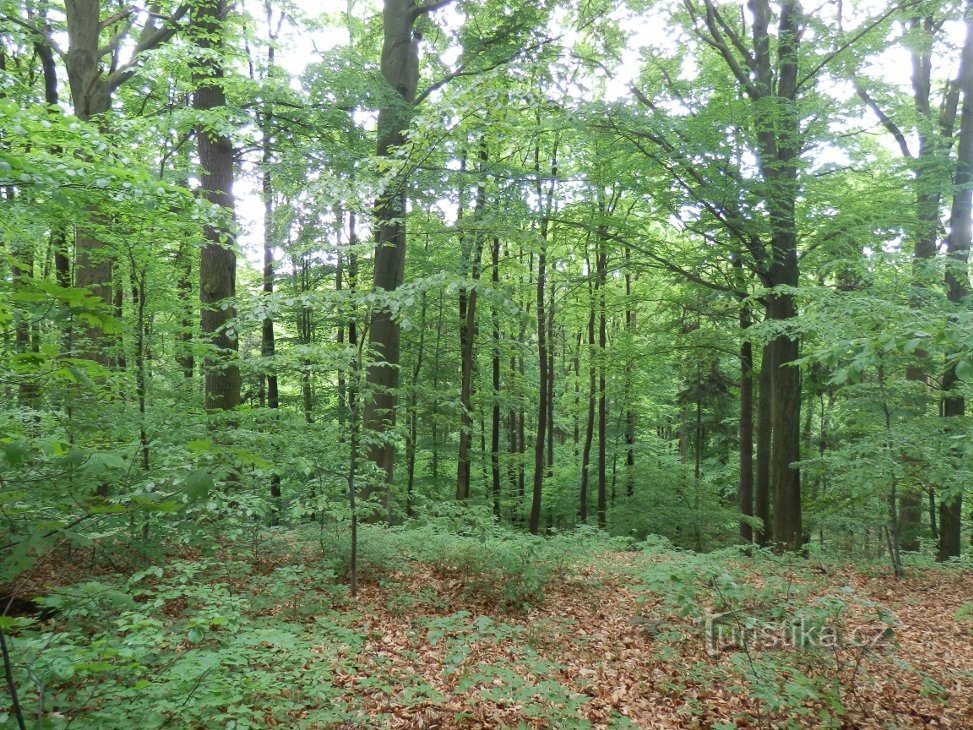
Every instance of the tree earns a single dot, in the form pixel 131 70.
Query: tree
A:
pixel 217 263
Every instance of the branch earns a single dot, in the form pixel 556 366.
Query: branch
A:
pixel 150 38
pixel 732 35
pixel 462 71
pixel 117 17
pixel 715 40
pixel 430 7
pixel 854 39
pixel 886 121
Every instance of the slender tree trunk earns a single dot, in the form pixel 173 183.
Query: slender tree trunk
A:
pixel 551 349
pixel 762 491
pixel 468 302
pixel 495 419
pixel 592 398
pixel 412 406
pixel 746 424
pixel 539 442
pixel 267 340
pixel 630 415
pixel 600 272
pixel 542 406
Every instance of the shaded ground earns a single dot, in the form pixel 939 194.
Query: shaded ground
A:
pixel 441 647
pixel 598 638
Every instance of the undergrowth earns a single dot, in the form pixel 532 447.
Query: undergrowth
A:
pixel 256 633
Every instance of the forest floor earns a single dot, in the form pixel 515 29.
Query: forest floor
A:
pixel 617 639
pixel 632 661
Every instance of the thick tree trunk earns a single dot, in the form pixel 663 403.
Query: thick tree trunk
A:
pixel 400 69
pixel 785 413
pixel 217 264
pixel 775 95
pixel 90 96
pixel 958 279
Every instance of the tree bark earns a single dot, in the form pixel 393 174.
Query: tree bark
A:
pixel 592 398
pixel 746 424
pixel 217 264
pixel 400 69
pixel 542 408
pixel 764 432
pixel 600 271
pixel 495 415
pixel 958 279
pixel 468 302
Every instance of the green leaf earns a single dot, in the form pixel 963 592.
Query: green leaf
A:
pixel 198 484
pixel 15 453
pixel 964 370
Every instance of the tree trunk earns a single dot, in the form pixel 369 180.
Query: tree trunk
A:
pixel 746 424
pixel 267 341
pixel 540 439
pixel 495 420
pixel 600 271
pixel 542 406
pixel 630 415
pixel 217 264
pixel 551 349
pixel 400 69
pixel 592 398
pixel 764 426
pixel 468 301
pixel 958 280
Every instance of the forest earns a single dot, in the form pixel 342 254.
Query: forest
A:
pixel 486 363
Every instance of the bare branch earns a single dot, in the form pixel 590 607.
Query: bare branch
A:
pixel 121 15
pixel 430 7
pixel 884 118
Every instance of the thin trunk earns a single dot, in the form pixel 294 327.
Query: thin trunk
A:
pixel 761 507
pixel 601 266
pixel 141 379
pixel 495 420
pixel 542 406
pixel 434 465
pixel 746 424
pixel 468 302
pixel 267 339
pixel 630 415
pixel 551 348
pixel 592 398
pixel 412 407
